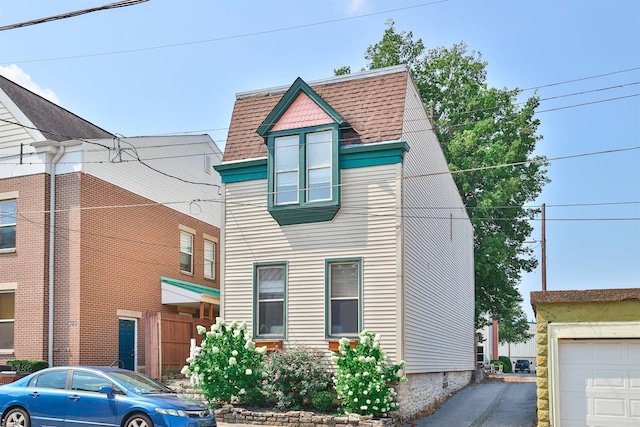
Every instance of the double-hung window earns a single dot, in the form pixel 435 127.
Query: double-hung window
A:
pixel 7 224
pixel 186 252
pixel 7 310
pixel 304 177
pixel 344 297
pixel 303 168
pixel 209 260
pixel 270 297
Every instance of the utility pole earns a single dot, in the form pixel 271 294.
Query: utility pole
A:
pixel 543 246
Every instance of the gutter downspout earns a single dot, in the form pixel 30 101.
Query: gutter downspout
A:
pixel 52 218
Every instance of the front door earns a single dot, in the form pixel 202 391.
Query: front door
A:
pixel 126 343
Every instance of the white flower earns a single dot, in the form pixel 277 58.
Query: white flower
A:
pixel 365 392
pixel 261 350
pixel 215 349
pixel 363 407
pixel 201 330
pixel 249 345
pixel 242 391
pixel 243 326
pixel 196 369
pixel 355 399
pixel 210 334
pixel 197 350
pixel 232 361
pixel 236 333
pixel 335 359
pixel 248 372
pixel 362 359
pixel 234 353
pixel 368 402
pixel 190 359
pixel 184 370
pixel 376 344
pixel 350 393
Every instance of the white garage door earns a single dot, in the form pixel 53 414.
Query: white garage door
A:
pixel 599 382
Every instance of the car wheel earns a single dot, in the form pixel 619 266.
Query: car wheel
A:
pixel 17 417
pixel 138 420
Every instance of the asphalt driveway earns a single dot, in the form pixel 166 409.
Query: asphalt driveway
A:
pixel 508 402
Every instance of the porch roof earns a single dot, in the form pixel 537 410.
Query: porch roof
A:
pixel 180 292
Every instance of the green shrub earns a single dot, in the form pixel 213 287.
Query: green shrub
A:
pixel 227 367
pixel 323 401
pixel 27 365
pixel 293 376
pixel 508 367
pixel 364 377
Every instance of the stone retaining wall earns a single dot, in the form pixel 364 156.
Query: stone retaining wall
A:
pixel 229 414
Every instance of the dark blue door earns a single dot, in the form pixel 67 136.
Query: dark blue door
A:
pixel 126 343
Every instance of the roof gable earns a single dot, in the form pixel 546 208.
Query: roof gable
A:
pixel 298 88
pixel 53 121
pixel 302 112
pixel 370 103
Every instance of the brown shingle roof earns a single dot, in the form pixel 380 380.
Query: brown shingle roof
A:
pixel 371 102
pixel 55 123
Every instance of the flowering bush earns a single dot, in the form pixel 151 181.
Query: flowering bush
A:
pixel 294 375
pixel 363 377
pixel 227 366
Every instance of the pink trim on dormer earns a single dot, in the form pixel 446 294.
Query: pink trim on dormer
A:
pixel 303 112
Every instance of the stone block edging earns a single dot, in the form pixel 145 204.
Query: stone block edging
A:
pixel 228 414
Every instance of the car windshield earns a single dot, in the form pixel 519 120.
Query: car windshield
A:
pixel 140 384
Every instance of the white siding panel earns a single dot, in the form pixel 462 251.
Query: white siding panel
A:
pixel 358 230
pixel 181 157
pixel 438 255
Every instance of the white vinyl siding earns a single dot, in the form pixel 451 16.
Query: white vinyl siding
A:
pixel 10 134
pixel 438 255
pixel 365 228
pixel 163 153
pixel 209 260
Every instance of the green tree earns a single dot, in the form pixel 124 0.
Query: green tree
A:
pixel 488 134
pixel 516 329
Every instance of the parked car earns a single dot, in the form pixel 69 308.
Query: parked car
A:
pixel 105 396
pixel 523 365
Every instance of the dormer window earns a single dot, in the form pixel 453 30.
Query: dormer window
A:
pixel 302 134
pixel 302 167
pixel 303 175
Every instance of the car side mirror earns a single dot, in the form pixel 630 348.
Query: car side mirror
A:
pixel 106 389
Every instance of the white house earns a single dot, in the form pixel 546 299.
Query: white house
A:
pixel 341 215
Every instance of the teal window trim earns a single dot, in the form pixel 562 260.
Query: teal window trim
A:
pixel 256 300
pixel 365 155
pixel 242 171
pixel 304 211
pixel 327 293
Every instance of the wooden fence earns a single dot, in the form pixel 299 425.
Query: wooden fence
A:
pixel 168 341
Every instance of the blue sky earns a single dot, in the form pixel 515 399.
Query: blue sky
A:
pixel 168 66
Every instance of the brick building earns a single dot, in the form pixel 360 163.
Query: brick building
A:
pixel 128 228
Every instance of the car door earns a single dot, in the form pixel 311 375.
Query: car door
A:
pixel 86 405
pixel 46 396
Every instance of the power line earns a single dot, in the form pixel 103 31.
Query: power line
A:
pixel 580 79
pixel 257 33
pixel 72 14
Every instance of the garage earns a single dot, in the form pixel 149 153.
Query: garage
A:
pixel 599 382
pixel 588 357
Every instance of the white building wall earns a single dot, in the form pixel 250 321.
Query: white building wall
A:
pixel 176 159
pixel 438 255
pixel 363 227
pixel 526 350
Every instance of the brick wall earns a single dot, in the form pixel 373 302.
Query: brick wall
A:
pixel 109 257
pixel 28 266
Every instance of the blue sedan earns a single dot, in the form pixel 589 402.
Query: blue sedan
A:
pixel 73 396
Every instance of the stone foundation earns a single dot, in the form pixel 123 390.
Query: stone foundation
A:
pixel 421 394
pixel 229 414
